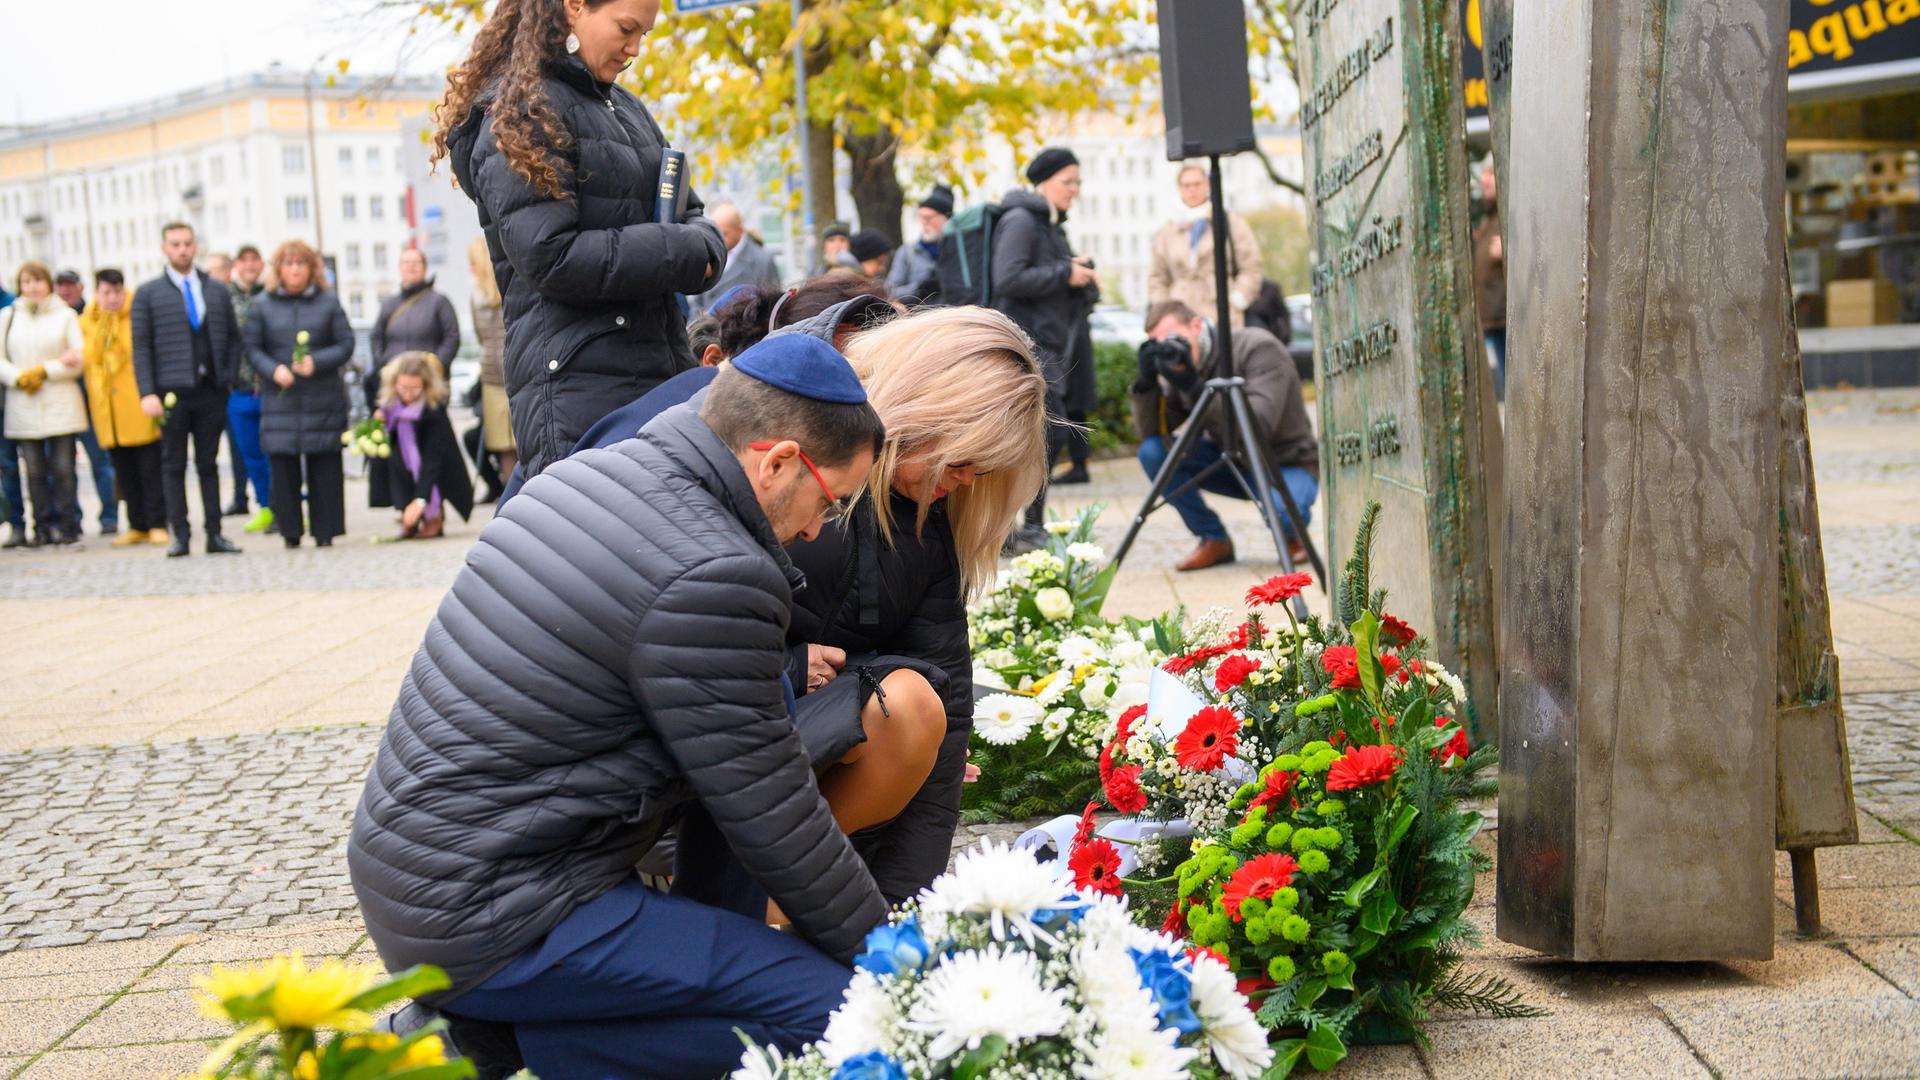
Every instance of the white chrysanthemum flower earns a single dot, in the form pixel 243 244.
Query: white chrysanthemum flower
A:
pixel 1054 603
pixel 1077 649
pixel 1088 553
pixel 1060 528
pixel 1005 719
pixel 1106 923
pixel 999 658
pixel 974 995
pixel 1126 695
pixel 1057 687
pixel 1096 691
pixel 1136 1053
pixel 760 1063
pixel 1004 885
pixel 988 679
pixel 1129 653
pixel 866 1020
pixel 1110 987
pixel 1238 1041
pixel 1056 722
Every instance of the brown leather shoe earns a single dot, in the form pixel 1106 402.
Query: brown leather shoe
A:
pixel 1208 553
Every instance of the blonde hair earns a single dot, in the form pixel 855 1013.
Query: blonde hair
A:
pixel 414 362
pixel 486 290
pixel 958 386
pixel 298 250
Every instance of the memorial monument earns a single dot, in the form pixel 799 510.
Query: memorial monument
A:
pixel 1645 241
pixel 1399 365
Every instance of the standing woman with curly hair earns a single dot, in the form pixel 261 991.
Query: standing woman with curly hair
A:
pixel 564 165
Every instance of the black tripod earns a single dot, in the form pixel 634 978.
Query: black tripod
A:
pixel 1246 451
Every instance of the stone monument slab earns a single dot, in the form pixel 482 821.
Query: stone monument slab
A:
pixel 1398 360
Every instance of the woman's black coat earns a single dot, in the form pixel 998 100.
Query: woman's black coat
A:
pixel 309 416
pixel 440 466
pixel 587 281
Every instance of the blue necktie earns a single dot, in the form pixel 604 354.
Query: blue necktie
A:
pixel 193 311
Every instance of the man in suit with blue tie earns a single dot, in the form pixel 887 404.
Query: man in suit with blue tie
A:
pixel 186 343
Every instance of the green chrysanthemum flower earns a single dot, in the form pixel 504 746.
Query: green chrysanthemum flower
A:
pixel 1285 900
pixel 1280 969
pixel 1304 841
pixel 1295 929
pixel 1287 762
pixel 1315 862
pixel 1278 835
pixel 1333 962
pixel 1330 807
pixel 1329 838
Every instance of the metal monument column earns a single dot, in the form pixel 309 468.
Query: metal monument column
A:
pixel 1645 225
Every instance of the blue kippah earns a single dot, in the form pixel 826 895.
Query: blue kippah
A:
pixel 729 297
pixel 803 365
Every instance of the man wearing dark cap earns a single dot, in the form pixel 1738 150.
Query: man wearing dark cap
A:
pixel 873 250
pixel 915 276
pixel 1047 290
pixel 608 661
pixel 834 250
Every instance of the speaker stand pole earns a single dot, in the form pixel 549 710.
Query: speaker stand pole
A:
pixel 1228 392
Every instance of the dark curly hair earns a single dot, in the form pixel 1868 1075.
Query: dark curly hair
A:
pixel 513 47
pixel 747 318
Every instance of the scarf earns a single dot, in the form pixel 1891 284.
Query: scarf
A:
pixel 402 423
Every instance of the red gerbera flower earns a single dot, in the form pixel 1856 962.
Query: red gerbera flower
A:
pixel 1096 867
pixel 1278 590
pixel 1390 664
pixel 1083 831
pixel 1176 921
pixel 1395 632
pixel 1123 790
pixel 1106 760
pixel 1261 877
pixel 1279 782
pixel 1126 722
pixel 1235 640
pixel 1212 734
pixel 1196 952
pixel 1251 986
pixel 1233 671
pixel 1456 747
pixel 1179 665
pixel 1343 664
pixel 1361 766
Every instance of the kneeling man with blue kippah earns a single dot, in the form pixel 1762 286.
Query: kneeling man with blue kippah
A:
pixel 608 661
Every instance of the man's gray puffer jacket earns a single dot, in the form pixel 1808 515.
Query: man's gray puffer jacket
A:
pixel 611 650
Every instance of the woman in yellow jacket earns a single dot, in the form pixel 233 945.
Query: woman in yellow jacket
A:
pixel 113 396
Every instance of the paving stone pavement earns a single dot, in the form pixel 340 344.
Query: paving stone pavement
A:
pixel 178 787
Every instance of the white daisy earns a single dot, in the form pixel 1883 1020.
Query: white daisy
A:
pixel 988 678
pixel 1078 649
pixel 1005 719
pixel 1136 1053
pixel 974 995
pixel 1238 1041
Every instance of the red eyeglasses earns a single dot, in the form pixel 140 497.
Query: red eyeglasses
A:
pixel 834 501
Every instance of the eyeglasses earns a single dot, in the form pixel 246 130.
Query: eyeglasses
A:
pixel 835 504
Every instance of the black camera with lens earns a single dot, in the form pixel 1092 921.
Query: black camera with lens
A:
pixel 1170 359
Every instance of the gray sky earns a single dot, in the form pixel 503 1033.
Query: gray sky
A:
pixel 61 57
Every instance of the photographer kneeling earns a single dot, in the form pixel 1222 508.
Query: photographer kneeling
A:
pixel 1175 364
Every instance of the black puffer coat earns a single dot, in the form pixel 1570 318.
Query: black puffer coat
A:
pixel 1032 263
pixel 309 416
pixel 611 651
pixel 587 281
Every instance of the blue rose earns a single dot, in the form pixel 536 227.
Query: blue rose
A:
pixel 1172 989
pixel 872 1065
pixel 894 949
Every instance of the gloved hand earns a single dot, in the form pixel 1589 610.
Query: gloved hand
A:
pixel 1149 376
pixel 32 379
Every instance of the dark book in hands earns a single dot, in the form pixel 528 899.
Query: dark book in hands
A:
pixel 670 202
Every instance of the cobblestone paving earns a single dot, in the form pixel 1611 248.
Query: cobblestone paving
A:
pixel 111 843
pixel 1873 561
pixel 1883 738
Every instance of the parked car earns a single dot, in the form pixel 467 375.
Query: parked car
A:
pixel 1111 322
pixel 1300 310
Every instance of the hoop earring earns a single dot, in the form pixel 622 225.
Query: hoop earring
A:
pixel 573 44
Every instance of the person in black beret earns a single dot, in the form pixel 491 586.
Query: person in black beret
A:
pixel 874 251
pixel 915 276
pixel 1047 290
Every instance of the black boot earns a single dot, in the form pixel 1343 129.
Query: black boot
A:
pixel 220 545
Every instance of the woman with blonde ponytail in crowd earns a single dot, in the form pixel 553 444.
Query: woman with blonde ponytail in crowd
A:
pixel 883 622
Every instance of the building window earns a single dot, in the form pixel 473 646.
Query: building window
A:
pixel 346 159
pixel 216 170
pixel 296 208
pixel 293 159
pixel 353 256
pixel 376 208
pixel 379 256
pixel 220 219
pixel 357 305
pixel 373 161
pixel 349 207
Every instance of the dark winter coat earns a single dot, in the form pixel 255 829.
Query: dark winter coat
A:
pixel 1273 393
pixel 309 416
pixel 417 318
pixel 587 281
pixel 1032 263
pixel 163 338
pixel 611 652
pixel 441 466
pixel 866 596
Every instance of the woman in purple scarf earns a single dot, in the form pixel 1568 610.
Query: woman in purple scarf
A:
pixel 426 473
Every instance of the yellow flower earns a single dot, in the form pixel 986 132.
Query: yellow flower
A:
pixel 307 1068
pixel 1043 682
pixel 428 1051
pixel 1080 673
pixel 224 984
pixel 317 997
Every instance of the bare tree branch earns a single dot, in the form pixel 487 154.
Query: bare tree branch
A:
pixel 1274 174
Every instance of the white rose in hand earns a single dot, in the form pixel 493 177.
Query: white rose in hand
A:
pixel 1055 604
